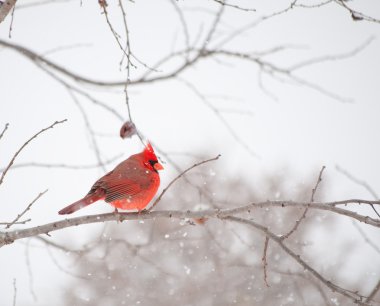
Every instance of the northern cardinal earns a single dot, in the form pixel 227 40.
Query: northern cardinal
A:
pixel 131 185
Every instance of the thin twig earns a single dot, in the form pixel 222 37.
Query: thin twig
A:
pixel 24 145
pixel 361 183
pixel 81 92
pixel 33 4
pixel 4 130
pixel 355 15
pixel 26 209
pixel 59 246
pixel 213 27
pixel 14 292
pixel 183 23
pixel 373 293
pixel 19 222
pixel 219 116
pixel 127 48
pixel 264 260
pixel 89 129
pixel 335 57
pixel 12 17
pixel 179 176
pixel 30 272
pixel 64 166
pixel 317 184
pixel 298 222
pixel 128 54
pixel 307 277
pixel 224 3
pixel 365 237
pixel 113 31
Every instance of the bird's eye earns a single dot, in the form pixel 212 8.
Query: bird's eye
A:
pixel 152 162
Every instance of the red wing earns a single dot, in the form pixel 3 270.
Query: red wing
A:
pixel 118 189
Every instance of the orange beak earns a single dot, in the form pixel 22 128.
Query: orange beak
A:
pixel 158 166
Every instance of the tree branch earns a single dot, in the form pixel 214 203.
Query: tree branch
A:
pixel 24 145
pixel 178 177
pixel 4 130
pixel 264 260
pixel 355 297
pixel 26 209
pixel 10 237
pixel 303 216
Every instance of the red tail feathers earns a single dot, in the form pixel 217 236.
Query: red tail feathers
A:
pixel 87 200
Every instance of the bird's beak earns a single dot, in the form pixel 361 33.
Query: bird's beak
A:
pixel 158 166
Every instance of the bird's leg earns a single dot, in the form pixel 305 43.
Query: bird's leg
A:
pixel 116 212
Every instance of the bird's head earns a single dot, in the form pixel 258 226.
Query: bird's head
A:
pixel 150 159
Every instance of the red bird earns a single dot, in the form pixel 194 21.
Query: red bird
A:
pixel 131 185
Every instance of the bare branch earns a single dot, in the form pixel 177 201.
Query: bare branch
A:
pixel 278 73
pixel 14 292
pixel 328 206
pixel 358 181
pixel 24 145
pixel 183 23
pixel 10 237
pixel 89 129
pixel 30 272
pixel 298 222
pixel 355 297
pixel 361 183
pixel 129 64
pixel 59 246
pixel 373 293
pixel 264 260
pixel 11 24
pixel 220 117
pixel 26 209
pixel 180 170
pixel 355 15
pixel 81 93
pixel 30 4
pixel 310 6
pixel 334 57
pixel 114 33
pixel 178 177
pixel 317 184
pixel 38 58
pixel 213 27
pixel 365 237
pixel 4 130
pixel 128 53
pixel 64 166
pixel 271 69
pixel 19 222
pixel 224 3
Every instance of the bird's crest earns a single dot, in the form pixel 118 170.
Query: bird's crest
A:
pixel 149 152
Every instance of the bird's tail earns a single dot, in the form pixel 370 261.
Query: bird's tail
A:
pixel 87 200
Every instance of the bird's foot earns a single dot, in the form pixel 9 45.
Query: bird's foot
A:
pixel 116 213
